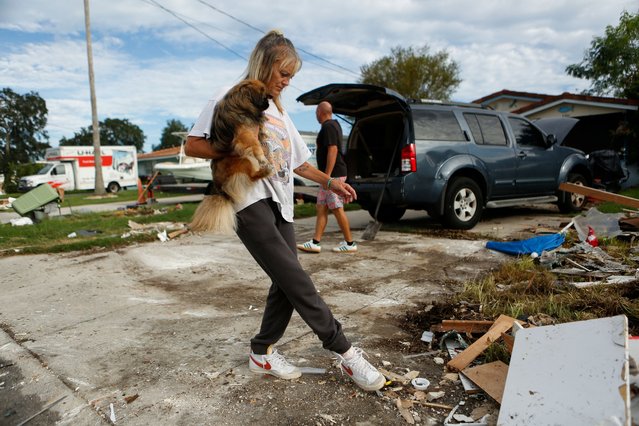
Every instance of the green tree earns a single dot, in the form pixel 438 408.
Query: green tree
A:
pixel 414 73
pixel 612 62
pixel 113 131
pixel 169 138
pixel 22 135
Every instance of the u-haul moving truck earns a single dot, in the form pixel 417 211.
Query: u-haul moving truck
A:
pixel 73 168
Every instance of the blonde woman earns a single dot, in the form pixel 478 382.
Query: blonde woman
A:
pixel 265 224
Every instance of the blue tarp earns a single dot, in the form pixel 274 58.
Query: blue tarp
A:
pixel 529 246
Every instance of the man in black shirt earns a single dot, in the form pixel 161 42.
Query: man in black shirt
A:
pixel 331 161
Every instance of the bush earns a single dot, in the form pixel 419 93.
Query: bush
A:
pixel 14 172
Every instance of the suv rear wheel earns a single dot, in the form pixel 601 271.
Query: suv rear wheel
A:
pixel 464 204
pixel 387 213
pixel 571 202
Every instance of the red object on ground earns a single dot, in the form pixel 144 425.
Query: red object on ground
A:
pixel 592 238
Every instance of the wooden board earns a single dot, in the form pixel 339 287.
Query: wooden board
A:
pixel 600 195
pixel 491 378
pixel 509 341
pixel 463 360
pixel 466 326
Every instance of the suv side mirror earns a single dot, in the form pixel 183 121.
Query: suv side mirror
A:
pixel 551 139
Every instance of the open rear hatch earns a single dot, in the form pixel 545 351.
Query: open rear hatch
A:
pixel 380 126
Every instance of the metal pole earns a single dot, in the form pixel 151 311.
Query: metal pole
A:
pixel 99 181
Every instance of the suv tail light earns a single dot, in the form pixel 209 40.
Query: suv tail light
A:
pixel 409 159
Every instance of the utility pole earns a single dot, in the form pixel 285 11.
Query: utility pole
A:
pixel 99 180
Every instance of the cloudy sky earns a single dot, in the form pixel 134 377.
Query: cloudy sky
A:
pixel 156 60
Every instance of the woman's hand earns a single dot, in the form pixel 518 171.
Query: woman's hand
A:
pixel 342 189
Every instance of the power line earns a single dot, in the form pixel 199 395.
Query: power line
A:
pixel 264 32
pixel 155 3
pixel 232 17
pixel 185 21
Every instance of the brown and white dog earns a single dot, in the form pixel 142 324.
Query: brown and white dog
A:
pixel 237 132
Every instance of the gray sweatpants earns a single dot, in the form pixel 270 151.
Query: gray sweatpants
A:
pixel 271 241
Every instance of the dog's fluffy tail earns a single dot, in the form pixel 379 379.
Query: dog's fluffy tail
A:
pixel 214 214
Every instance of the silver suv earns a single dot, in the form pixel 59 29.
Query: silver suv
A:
pixel 452 160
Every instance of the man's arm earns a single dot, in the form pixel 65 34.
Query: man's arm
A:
pixel 200 147
pixel 331 158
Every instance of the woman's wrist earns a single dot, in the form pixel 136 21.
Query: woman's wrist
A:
pixel 328 183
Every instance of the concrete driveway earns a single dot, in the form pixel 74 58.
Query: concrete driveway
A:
pixel 158 333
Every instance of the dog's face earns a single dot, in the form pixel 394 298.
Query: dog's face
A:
pixel 255 91
pixel 243 104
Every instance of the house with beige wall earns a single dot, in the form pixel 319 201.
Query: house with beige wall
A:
pixel 604 123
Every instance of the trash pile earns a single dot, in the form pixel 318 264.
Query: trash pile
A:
pixel 585 263
pixel 551 373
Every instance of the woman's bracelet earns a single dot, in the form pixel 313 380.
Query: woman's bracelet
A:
pixel 328 184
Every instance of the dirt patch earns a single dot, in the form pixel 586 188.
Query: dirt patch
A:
pixel 18 405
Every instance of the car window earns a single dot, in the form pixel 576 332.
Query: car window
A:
pixel 437 125
pixel 486 129
pixel 59 170
pixel 526 134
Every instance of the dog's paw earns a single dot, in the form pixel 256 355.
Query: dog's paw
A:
pixel 266 169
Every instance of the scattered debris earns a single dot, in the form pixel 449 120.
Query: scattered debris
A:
pixel 491 378
pixel 403 407
pixel 312 370
pixel 463 326
pixel 112 413
pixel 129 399
pixel 461 361
pixel 21 221
pixel 420 383
pixel 5 203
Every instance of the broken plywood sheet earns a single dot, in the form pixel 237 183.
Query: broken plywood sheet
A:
pixel 490 377
pixel 558 372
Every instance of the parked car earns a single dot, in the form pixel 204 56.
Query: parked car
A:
pixel 452 160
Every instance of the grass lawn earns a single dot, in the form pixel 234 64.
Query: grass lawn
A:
pixel 105 230
pixel 83 198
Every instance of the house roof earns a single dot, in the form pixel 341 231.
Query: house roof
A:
pixel 551 101
pixel 160 153
pixel 510 94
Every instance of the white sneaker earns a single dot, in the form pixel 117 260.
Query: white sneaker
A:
pixel 343 247
pixel 361 371
pixel 274 364
pixel 310 247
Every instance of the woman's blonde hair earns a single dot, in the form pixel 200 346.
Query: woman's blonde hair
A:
pixel 271 49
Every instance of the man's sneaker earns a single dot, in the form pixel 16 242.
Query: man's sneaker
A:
pixel 310 247
pixel 343 247
pixel 361 371
pixel 274 364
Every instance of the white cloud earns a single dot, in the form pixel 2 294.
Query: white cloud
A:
pixel 151 67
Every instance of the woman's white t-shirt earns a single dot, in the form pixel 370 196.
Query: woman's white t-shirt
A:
pixel 287 152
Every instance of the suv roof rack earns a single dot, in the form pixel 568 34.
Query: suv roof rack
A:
pixel 448 103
